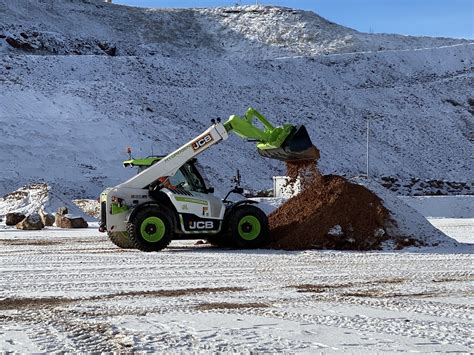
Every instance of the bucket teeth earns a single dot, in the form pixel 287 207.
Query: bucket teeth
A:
pixel 296 147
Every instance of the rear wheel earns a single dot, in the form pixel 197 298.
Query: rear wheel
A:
pixel 248 227
pixel 151 229
pixel 121 240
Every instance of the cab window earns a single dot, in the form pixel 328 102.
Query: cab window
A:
pixel 188 179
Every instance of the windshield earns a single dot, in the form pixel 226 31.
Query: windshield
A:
pixel 188 178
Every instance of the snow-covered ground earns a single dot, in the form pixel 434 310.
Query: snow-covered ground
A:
pixel 453 215
pixel 461 229
pixel 64 290
pixel 68 110
pixel 75 291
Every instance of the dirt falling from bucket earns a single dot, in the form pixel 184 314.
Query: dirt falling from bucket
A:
pixel 329 213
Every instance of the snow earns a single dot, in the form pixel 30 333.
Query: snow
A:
pixel 442 206
pixel 68 111
pixel 461 229
pixel 67 119
pixel 73 291
pixel 30 199
pixel 85 295
pixel 407 221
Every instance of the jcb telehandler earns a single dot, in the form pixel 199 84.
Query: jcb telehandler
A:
pixel 169 198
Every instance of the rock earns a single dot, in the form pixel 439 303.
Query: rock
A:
pixel 109 50
pixel 62 211
pixel 20 44
pixel 47 218
pixel 112 51
pixel 68 221
pixel 32 222
pixel 14 218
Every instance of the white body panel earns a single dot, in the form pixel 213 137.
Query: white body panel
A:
pixel 135 191
pixel 172 162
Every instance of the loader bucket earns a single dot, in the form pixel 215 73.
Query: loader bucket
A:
pixel 296 146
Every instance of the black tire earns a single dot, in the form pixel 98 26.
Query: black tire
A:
pixel 151 229
pixel 121 240
pixel 247 227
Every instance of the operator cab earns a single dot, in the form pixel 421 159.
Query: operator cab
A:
pixel 189 177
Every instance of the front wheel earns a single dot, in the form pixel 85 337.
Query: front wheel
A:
pixel 121 240
pixel 151 229
pixel 248 227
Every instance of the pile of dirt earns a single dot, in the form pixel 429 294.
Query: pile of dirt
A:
pixel 329 213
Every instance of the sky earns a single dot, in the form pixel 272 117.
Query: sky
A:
pixel 438 18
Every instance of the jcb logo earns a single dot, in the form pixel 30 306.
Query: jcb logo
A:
pixel 201 225
pixel 201 142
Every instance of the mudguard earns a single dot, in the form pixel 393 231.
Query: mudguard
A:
pixel 233 206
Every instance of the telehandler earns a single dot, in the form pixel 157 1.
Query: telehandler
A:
pixel 169 199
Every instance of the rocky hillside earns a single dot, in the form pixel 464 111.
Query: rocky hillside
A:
pixel 81 80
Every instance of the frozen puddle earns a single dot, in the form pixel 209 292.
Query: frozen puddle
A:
pixel 74 291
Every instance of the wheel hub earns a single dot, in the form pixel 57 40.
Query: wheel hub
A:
pixel 246 227
pixel 150 228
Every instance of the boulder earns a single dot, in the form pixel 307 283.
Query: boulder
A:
pixel 19 43
pixel 47 218
pixel 108 49
pixel 62 211
pixel 32 222
pixel 69 221
pixel 13 218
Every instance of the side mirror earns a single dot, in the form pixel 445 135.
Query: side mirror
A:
pixel 210 190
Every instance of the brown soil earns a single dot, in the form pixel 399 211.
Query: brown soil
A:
pixel 305 221
pixel 174 293
pixel 33 303
pixel 226 305
pixel 318 288
pixel 30 303
pixel 28 242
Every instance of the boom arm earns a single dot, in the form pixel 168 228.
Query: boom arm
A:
pixel 286 143
pixel 268 137
pixel 170 164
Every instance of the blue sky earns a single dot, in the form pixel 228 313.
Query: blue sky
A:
pixel 445 18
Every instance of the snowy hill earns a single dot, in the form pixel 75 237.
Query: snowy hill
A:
pixel 82 80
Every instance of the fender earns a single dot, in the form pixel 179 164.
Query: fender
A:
pixel 134 210
pixel 235 205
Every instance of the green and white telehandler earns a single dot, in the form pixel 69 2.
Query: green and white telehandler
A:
pixel 169 198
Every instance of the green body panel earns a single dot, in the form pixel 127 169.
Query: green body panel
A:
pixel 116 209
pixel 158 232
pixel 255 228
pixel 191 200
pixel 141 162
pixel 269 137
